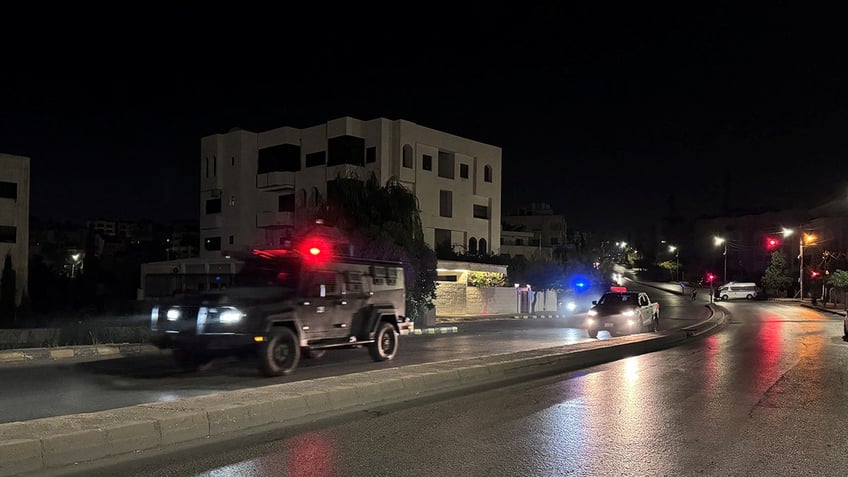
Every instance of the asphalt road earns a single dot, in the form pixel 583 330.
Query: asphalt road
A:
pixel 45 389
pixel 763 396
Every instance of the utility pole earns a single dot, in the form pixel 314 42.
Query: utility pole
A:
pixel 801 273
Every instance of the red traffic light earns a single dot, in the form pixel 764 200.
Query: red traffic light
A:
pixel 814 274
pixel 772 243
pixel 710 277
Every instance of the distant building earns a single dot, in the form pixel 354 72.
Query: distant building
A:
pixel 547 239
pixel 14 217
pixel 258 188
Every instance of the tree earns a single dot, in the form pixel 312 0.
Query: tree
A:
pixel 669 266
pixel 776 276
pixel 839 280
pixel 385 223
pixel 7 294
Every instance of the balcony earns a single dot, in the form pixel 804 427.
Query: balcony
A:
pixel 274 219
pixel 275 179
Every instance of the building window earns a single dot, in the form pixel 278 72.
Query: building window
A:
pixel 213 206
pixel 554 241
pixel 314 197
pixel 482 246
pixel 445 203
pixel 233 161
pixel 212 243
pixel 232 239
pixel 346 150
pixel 206 160
pixel 232 201
pixel 407 156
pixel 481 211
pixel 427 162
pixel 443 238
pixel 8 234
pixel 279 158
pixel 371 155
pixel 214 166
pixel 446 165
pixel 314 159
pixel 487 174
pixel 285 203
pixel 8 190
pixel 463 171
pixel 519 241
pixel 472 246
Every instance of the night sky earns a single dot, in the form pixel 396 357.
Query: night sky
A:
pixel 605 114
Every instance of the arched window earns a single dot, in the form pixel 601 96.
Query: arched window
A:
pixel 482 246
pixel 487 174
pixel 472 246
pixel 314 197
pixel 407 156
pixel 301 198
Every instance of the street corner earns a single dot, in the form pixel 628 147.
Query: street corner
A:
pixel 822 309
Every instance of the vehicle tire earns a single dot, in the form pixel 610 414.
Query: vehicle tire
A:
pixel 593 333
pixel 655 324
pixel 279 355
pixel 385 346
pixel 724 298
pixel 313 353
pixel 750 297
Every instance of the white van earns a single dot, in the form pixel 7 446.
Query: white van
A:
pixel 731 290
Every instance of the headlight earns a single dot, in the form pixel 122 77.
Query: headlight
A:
pixel 571 306
pixel 629 313
pixel 590 321
pixel 173 314
pixel 592 313
pixel 631 322
pixel 230 315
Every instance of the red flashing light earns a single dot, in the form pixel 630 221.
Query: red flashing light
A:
pixel 314 251
pixel 710 277
pixel 772 243
pixel 618 289
pixel 814 274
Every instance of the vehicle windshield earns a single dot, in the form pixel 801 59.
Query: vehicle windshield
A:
pixel 268 273
pixel 618 298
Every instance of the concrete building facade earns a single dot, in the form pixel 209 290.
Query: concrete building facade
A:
pixel 547 233
pixel 14 217
pixel 258 188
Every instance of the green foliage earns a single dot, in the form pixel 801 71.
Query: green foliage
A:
pixel 839 280
pixel 776 276
pixel 669 265
pixel 385 223
pixel 486 279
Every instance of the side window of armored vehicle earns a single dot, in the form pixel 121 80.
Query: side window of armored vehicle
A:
pixel 378 275
pixel 352 282
pixel 323 284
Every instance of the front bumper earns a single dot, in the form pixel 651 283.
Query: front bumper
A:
pixel 614 323
pixel 405 326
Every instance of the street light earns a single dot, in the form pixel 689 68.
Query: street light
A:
pixel 719 241
pixel 75 257
pixel 673 249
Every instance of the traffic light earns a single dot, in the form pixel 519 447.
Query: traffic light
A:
pixel 710 277
pixel 814 274
pixel 316 249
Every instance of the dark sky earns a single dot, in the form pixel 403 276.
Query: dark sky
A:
pixel 604 113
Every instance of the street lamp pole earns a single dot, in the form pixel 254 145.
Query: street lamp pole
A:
pixel 801 272
pixel 725 261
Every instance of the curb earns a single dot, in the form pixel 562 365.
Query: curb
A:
pixel 54 443
pixel 68 352
pixel 708 324
pixel 826 310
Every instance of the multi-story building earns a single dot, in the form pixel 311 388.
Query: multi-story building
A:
pixel 547 232
pixel 258 188
pixel 14 217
